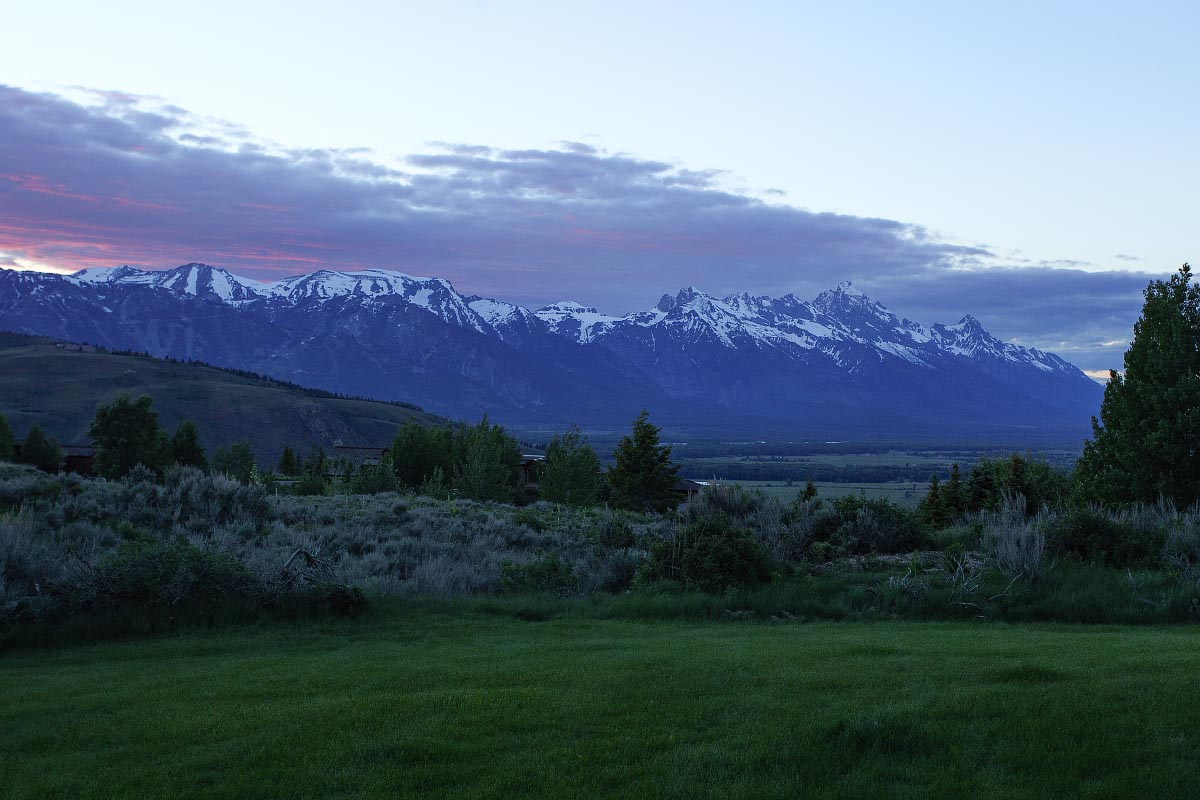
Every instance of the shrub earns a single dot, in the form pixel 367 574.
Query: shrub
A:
pixel 730 499
pixel 1093 536
pixel 856 524
pixel 529 519
pixel 615 531
pixel 311 484
pixel 546 574
pixel 161 574
pixel 711 555
pixel 1017 543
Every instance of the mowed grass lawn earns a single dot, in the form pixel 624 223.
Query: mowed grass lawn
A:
pixel 410 702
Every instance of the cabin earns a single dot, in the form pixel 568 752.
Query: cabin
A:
pixel 531 467
pixel 360 455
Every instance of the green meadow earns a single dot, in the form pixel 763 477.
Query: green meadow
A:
pixel 428 700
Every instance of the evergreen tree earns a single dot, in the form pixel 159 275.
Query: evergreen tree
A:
pixel 1146 443
pixel 932 507
pixel 40 452
pixel 7 442
pixel 953 499
pixel 571 474
pixel 287 462
pixel 643 478
pixel 185 446
pixel 236 462
pixel 126 434
pixel 809 493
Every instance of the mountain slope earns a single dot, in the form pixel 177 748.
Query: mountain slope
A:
pixel 841 362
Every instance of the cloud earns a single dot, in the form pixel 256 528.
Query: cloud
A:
pixel 106 178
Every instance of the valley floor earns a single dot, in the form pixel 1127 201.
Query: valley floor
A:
pixel 444 702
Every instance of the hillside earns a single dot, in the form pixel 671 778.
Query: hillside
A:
pixel 60 389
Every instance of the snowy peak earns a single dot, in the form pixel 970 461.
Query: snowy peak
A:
pixel 574 320
pixel 98 275
pixel 197 280
pixel 844 298
pixel 326 284
pixel 201 280
pixel 434 295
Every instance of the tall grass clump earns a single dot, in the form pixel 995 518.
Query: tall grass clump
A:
pixel 1016 541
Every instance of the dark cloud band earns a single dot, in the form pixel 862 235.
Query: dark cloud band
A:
pixel 119 180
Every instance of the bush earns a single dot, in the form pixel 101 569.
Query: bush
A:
pixel 1092 536
pixel 711 555
pixel 547 574
pixel 858 525
pixel 615 531
pixel 162 574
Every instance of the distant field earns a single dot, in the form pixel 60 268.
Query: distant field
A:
pixel 420 703
pixel 905 494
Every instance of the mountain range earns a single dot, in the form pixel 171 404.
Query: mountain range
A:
pixel 840 363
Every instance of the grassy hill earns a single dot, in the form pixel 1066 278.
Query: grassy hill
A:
pixel 60 389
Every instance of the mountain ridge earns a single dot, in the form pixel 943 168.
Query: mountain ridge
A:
pixel 703 358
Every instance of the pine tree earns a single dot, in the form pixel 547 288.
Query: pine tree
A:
pixel 571 474
pixel 1146 442
pixel 287 462
pixel 953 496
pixel 809 493
pixel 185 446
pixel 643 478
pixel 127 434
pixel 932 507
pixel 7 442
pixel 40 452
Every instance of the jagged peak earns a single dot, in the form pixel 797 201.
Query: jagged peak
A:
pixel 688 295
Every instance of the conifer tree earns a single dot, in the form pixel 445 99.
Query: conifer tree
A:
pixel 287 462
pixel 932 508
pixel 185 446
pixel 643 478
pixel 953 496
pixel 1146 442
pixel 7 442
pixel 571 474
pixel 40 451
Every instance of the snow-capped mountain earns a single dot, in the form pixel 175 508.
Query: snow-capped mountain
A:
pixel 839 360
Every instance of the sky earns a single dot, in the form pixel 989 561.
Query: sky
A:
pixel 1032 164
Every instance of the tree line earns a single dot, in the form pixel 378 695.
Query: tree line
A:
pixel 479 462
